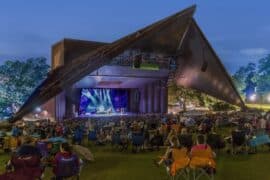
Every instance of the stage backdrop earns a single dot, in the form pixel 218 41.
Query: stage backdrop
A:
pixel 103 101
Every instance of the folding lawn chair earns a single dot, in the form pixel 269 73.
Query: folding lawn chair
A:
pixel 239 141
pixel 43 148
pixel 215 141
pixel 259 140
pixel 68 168
pixel 202 163
pixel 180 166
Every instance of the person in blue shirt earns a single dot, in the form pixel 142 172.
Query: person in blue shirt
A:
pixel 15 131
pixel 78 135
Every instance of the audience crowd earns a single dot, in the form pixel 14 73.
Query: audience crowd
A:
pixel 35 145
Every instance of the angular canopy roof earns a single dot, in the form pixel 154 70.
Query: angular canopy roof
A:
pixel 178 35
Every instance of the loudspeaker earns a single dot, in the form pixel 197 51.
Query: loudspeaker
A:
pixel 137 60
pixel 204 66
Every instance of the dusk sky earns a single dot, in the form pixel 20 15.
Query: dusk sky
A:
pixel 238 30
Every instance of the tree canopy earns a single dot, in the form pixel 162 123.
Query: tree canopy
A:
pixel 254 78
pixel 18 79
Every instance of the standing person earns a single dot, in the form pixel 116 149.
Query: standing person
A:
pixel 254 121
pixel 262 124
pixel 78 135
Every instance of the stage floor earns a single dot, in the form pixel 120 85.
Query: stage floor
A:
pixel 109 115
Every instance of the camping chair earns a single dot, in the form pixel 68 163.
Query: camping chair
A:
pixel 67 168
pixel 202 163
pixel 239 141
pixel 259 140
pixel 179 167
pixel 185 140
pixel 137 142
pixel 215 141
pixel 27 166
pixel 43 148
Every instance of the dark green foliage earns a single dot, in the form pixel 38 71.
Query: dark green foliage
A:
pixel 263 82
pixel 182 95
pixel 222 106
pixel 253 75
pixel 245 77
pixel 18 79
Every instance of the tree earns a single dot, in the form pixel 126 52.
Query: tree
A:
pixel 245 79
pixel 18 79
pixel 182 95
pixel 263 85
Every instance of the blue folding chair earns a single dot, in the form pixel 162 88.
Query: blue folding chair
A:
pixel 259 140
pixel 43 148
pixel 67 168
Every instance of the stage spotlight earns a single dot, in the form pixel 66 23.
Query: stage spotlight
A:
pixel 253 97
pixel 268 97
pixel 38 109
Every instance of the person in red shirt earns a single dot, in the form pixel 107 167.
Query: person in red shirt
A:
pixel 59 130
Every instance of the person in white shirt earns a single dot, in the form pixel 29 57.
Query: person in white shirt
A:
pixel 262 124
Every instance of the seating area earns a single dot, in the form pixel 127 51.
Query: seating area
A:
pixel 131 145
pixel 110 164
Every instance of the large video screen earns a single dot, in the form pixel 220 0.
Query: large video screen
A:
pixel 103 101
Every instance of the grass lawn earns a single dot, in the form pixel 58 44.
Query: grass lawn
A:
pixel 112 165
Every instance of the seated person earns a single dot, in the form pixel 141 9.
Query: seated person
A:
pixel 63 156
pixel 124 138
pixel 59 130
pixel 202 155
pixel 171 135
pixel 26 162
pixel 101 138
pixel 175 157
pixel 167 157
pixel 28 148
pixel 135 127
pixel 157 140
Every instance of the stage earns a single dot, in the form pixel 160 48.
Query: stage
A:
pixel 127 114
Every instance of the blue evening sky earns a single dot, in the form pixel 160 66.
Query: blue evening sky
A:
pixel 239 30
